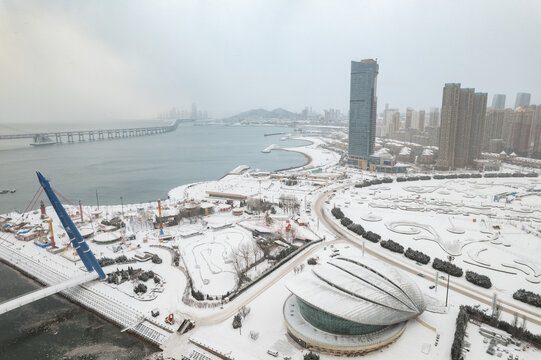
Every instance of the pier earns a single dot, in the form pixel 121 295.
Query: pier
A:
pixel 59 137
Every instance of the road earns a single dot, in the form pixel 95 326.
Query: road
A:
pixel 511 308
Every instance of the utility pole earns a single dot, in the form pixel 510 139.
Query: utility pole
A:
pixel 122 206
pixel 451 258
pixel 97 199
pixel 447 294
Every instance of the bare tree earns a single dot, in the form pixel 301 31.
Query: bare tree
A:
pixel 244 311
pixel 257 253
pixel 245 251
pixel 237 260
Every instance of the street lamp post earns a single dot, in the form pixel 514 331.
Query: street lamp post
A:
pixel 451 258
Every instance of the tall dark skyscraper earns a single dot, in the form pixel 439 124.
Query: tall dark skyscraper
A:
pixel 462 126
pixel 523 100
pixel 498 101
pixel 362 108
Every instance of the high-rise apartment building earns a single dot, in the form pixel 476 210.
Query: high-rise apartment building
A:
pixel 409 115
pixel 536 137
pixel 520 133
pixel 477 126
pixel 417 120
pixel 362 108
pixel 462 126
pixel 494 128
pixel 498 101
pixel 448 124
pixel 434 117
pixel 391 121
pixel 523 100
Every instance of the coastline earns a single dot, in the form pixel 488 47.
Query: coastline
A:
pixel 46 274
pixel 308 160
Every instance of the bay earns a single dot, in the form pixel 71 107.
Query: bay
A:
pixel 139 169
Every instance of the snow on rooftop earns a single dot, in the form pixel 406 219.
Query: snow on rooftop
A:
pixel 362 290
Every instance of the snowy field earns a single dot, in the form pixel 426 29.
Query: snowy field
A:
pixel 458 218
pixel 208 259
pixel 498 237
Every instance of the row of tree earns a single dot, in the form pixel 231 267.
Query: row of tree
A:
pixel 354 227
pixel 460 331
pixel 478 279
pixel 528 297
pixel 367 183
pixel 392 245
pixel 122 259
pixel 413 178
pixel 243 257
pixel 447 267
pixel 119 276
pixel 467 312
pixel 146 275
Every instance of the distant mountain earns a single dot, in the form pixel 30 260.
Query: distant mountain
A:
pixel 262 114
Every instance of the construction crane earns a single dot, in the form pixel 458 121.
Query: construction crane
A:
pixel 76 240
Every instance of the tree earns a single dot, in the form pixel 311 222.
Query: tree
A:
pixel 254 335
pixel 392 245
pixel 478 279
pixel 311 356
pixel 256 251
pixel 371 236
pixel 140 289
pixel 528 297
pixel 447 267
pixel 237 321
pixel 417 256
pixel 244 311
pixel 245 251
pixel 156 259
pixel 238 265
pixel 289 203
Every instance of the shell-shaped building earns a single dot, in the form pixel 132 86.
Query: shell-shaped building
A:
pixel 350 306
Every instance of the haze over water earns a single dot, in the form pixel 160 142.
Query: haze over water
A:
pixel 140 168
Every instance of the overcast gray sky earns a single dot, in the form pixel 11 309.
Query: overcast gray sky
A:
pixel 102 60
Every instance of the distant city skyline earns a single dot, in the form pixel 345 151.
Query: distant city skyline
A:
pixel 65 61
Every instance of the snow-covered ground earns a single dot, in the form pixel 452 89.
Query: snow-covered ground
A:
pixel 459 218
pixel 439 217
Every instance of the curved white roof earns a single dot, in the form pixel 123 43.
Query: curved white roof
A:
pixel 362 290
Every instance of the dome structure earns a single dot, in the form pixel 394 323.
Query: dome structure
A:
pixel 350 305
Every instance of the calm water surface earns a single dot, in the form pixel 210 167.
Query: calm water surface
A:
pixel 138 169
